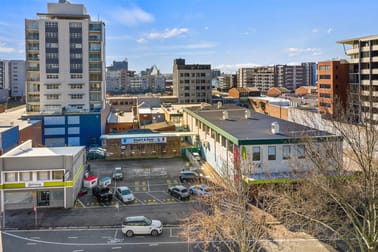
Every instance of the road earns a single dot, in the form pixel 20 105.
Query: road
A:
pixel 104 239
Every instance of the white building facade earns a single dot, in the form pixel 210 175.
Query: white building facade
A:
pixel 65 60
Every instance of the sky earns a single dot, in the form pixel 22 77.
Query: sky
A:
pixel 228 34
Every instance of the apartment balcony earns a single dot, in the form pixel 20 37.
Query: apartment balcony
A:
pixel 374 59
pixel 374 71
pixel 32 49
pixel 367 93
pixel 365 71
pixel 365 49
pixel 94 59
pixel 34 100
pixel 32 37
pixel 353 61
pixel 33 58
pixel 367 104
pixel 94 38
pixel 32 69
pixel 32 89
pixel 365 59
pixel 95 69
pixel 352 51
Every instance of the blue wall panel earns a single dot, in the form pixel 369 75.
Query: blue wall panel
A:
pixel 9 138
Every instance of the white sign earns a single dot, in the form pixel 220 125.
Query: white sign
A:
pixel 34 184
pixel 143 140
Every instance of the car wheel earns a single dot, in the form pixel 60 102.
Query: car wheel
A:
pixel 154 232
pixel 179 197
pixel 129 233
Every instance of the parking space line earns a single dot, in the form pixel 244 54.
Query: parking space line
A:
pixel 148 185
pixel 155 198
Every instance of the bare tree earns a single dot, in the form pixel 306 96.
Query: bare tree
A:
pixel 224 219
pixel 338 199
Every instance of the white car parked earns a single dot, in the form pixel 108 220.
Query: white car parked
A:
pixel 141 225
pixel 124 194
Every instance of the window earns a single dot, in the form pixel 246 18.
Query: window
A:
pixel 52 97
pixel 51 24
pixel 10 177
pixel 301 151
pixel 76 45
pixel 51 55
pixel 52 86
pixel 324 76
pixel 75 25
pixel 76 86
pixel 325 95
pixel 52 76
pixel 271 152
pixel 25 176
pixel 325 86
pixel 76 55
pixel 51 45
pixel 256 154
pixel 76 76
pixel 43 175
pixel 325 67
pixel 75 35
pixel 57 175
pixel 286 152
pixel 77 96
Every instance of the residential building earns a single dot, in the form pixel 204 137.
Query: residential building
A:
pixel 12 79
pixel 363 77
pixel 65 75
pixel 117 77
pixel 191 82
pixel 332 86
pixel 261 77
pixel 41 177
pixel 310 76
pixel 227 81
pixel 262 148
pixel 289 76
pixel 65 60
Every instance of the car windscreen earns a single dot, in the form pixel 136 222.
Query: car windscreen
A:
pixel 125 192
pixel 148 221
pixel 184 190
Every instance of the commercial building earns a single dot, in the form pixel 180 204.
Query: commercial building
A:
pixel 41 177
pixel 332 86
pixel 65 60
pixel 261 147
pixel 363 77
pixel 191 82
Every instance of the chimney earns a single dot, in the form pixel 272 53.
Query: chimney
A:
pixel 275 128
pixel 225 115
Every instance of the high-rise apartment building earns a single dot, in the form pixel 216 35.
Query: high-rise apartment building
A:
pixel 191 82
pixel 262 77
pixel 65 60
pixel 227 81
pixel 289 76
pixel 363 77
pixel 12 78
pixel 332 87
pixel 310 75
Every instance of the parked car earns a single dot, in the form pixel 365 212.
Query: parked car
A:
pixel 196 156
pixel 179 191
pixel 141 225
pixel 124 194
pixel 200 190
pixel 117 173
pixel 96 154
pixel 103 194
pixel 186 176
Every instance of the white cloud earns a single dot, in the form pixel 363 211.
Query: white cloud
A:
pixel 232 68
pixel 330 29
pixel 315 30
pixel 141 41
pixel 134 16
pixel 206 28
pixel 168 33
pixel 303 51
pixel 5 49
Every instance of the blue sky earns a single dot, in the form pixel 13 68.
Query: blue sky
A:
pixel 226 34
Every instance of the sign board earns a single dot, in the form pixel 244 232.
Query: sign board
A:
pixel 34 184
pixel 143 140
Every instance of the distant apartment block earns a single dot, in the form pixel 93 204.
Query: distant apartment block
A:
pixel 191 82
pixel 332 86
pixel 363 77
pixel 65 60
pixel 12 78
pixel 117 77
pixel 227 81
pixel 287 76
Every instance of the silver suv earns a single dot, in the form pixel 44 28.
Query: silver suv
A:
pixel 141 225
pixel 179 191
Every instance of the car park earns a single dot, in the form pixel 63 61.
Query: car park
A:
pixel 138 225
pixel 103 194
pixel 200 190
pixel 118 173
pixel 124 194
pixel 187 175
pixel 179 191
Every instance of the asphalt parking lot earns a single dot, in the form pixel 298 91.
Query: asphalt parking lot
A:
pixel 148 179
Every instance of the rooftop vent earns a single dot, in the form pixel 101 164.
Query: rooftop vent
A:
pixel 219 105
pixel 247 114
pixel 203 105
pixel 275 128
pixel 225 115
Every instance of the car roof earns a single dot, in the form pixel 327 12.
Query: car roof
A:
pixel 180 187
pixel 135 218
pixel 123 188
pixel 189 172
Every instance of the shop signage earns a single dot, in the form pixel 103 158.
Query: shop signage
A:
pixel 34 184
pixel 143 140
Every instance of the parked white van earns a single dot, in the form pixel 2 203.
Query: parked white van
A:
pixel 141 225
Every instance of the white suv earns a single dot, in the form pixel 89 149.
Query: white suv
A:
pixel 141 225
